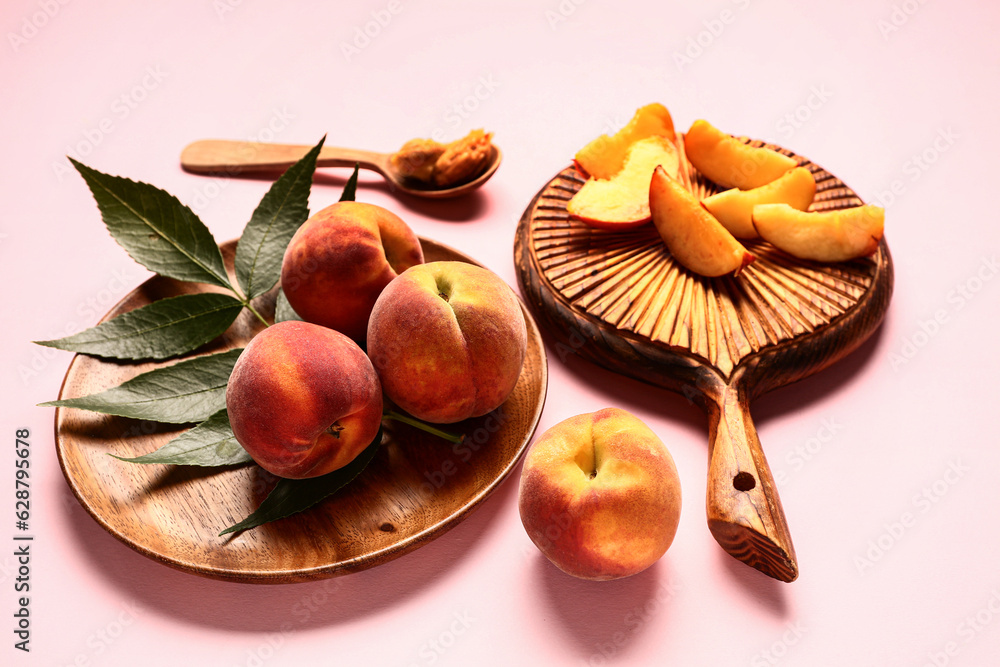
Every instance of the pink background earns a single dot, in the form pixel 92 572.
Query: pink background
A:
pixel 887 463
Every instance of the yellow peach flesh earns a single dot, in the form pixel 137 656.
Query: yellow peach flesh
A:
pixel 605 156
pixel 823 236
pixel 623 201
pixel 734 208
pixel 731 163
pixel 695 239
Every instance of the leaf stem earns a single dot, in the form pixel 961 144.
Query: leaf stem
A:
pixel 423 426
pixel 254 311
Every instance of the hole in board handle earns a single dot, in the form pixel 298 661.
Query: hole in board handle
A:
pixel 744 481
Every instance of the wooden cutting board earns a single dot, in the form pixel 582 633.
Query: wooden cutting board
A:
pixel 619 299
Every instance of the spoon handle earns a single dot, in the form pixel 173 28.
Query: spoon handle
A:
pixel 212 156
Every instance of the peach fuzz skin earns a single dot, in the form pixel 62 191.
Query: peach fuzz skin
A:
pixel 600 496
pixel 448 340
pixel 341 258
pixel 303 400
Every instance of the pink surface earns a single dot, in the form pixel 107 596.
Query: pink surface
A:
pixel 886 463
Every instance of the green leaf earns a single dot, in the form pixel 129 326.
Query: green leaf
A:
pixel 282 211
pixel 210 443
pixel 290 496
pixel 283 310
pixel 351 187
pixel 160 330
pixel 188 391
pixel 156 229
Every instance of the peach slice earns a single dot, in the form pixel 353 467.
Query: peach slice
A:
pixel 605 156
pixel 824 236
pixel 623 200
pixel 731 163
pixel 694 237
pixel 734 208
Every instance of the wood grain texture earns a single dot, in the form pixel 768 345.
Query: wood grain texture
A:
pixel 415 489
pixel 618 298
pixel 232 158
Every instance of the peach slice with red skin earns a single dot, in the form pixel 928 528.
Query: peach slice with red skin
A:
pixel 730 162
pixel 623 200
pixel 605 156
pixel 734 207
pixel 693 236
pixel 823 236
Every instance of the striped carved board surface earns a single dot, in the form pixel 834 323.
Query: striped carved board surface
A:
pixel 628 278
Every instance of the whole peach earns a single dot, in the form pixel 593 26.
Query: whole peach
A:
pixel 448 340
pixel 600 496
pixel 341 258
pixel 303 400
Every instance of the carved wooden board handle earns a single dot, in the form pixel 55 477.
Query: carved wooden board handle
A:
pixel 744 511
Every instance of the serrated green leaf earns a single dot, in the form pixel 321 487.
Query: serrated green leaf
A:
pixel 210 443
pixel 351 187
pixel 283 310
pixel 160 330
pixel 291 496
pixel 282 211
pixel 188 391
pixel 155 229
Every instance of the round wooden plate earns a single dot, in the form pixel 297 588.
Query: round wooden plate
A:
pixel 415 489
pixel 618 299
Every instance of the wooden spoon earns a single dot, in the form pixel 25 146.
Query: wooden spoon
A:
pixel 231 158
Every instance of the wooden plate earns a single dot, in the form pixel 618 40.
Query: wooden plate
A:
pixel 618 299
pixel 415 489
